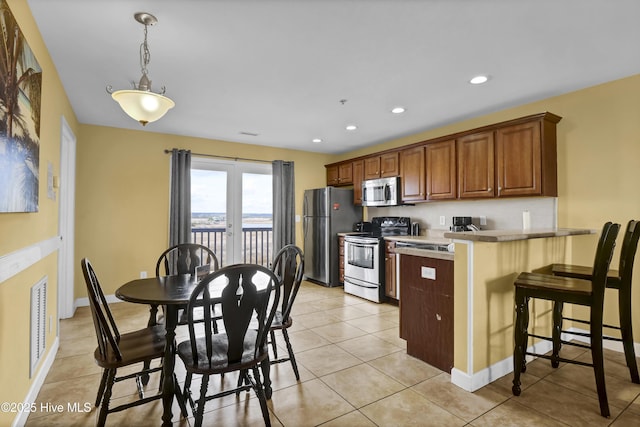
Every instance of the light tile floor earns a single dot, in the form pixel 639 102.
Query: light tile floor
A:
pixel 354 372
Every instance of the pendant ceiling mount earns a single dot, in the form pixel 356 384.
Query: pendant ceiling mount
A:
pixel 140 103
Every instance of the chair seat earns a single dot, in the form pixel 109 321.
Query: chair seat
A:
pixel 219 362
pixel 548 283
pixel 585 273
pixel 138 346
pixel 278 322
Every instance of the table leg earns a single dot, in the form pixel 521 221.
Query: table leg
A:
pixel 168 384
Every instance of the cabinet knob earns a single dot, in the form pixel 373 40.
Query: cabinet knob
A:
pixel 489 189
pixel 438 317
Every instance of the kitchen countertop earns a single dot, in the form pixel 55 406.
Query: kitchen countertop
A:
pixel 512 235
pixel 434 237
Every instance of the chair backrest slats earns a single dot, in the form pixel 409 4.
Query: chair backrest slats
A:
pixel 288 266
pixel 245 301
pixel 184 258
pixel 106 330
pixel 628 252
pixel 604 253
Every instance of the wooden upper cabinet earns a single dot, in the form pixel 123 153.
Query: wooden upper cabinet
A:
pixel 412 174
pixel 526 162
pixel 358 177
pixel 382 166
pixel 340 174
pixel 441 170
pixel 476 165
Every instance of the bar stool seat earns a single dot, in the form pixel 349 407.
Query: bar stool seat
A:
pixel 566 290
pixel 621 280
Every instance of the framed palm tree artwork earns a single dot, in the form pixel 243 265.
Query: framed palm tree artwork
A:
pixel 20 90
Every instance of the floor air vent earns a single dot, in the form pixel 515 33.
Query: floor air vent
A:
pixel 38 323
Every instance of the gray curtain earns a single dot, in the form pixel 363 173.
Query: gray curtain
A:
pixel 180 209
pixel 284 203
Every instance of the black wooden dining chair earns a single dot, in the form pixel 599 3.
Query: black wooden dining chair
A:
pixel 288 266
pixel 249 300
pixel 183 258
pixel 621 280
pixel 116 350
pixel 589 293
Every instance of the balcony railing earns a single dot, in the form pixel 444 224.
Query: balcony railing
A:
pixel 257 243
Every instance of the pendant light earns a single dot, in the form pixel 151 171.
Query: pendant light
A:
pixel 140 103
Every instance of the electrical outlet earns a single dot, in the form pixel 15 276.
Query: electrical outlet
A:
pixel 442 220
pixel 143 274
pixel 483 220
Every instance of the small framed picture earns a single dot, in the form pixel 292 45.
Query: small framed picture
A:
pixel 202 270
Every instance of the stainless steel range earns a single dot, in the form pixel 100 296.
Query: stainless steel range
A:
pixel 363 255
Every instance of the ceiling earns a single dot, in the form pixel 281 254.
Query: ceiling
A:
pixel 274 72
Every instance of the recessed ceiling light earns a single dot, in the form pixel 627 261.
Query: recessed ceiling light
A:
pixel 398 110
pixel 316 140
pixel 478 80
pixel 351 127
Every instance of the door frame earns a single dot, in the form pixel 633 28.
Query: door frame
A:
pixel 66 221
pixel 234 170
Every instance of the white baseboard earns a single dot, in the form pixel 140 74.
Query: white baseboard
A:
pixel 84 301
pixel 36 385
pixel 485 376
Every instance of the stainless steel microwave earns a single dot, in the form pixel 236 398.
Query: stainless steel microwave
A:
pixel 381 192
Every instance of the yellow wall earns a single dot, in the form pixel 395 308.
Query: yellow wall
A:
pixel 122 195
pixel 20 230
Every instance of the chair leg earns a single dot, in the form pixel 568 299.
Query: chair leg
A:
pixel 180 398
pixel 104 407
pixel 557 332
pixel 265 365
pixel 272 335
pixel 292 357
pixel 103 382
pixel 153 316
pixel 624 307
pixel 598 360
pixel 199 415
pixel 260 392
pixel 520 338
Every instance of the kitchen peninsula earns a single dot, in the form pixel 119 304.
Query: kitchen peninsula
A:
pixel 484 268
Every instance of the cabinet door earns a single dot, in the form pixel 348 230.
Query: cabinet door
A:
pixel 372 167
pixel 412 174
pixel 475 166
pixel 345 173
pixel 518 150
pixel 390 165
pixel 358 176
pixel 332 175
pixel 441 170
pixel 426 310
pixel 390 271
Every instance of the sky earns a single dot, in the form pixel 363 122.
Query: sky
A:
pixel 209 192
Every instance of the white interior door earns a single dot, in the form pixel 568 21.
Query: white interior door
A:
pixel 66 221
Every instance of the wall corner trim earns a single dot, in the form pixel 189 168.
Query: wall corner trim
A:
pixel 15 262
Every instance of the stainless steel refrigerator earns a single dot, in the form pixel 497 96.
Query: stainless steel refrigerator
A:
pixel 326 212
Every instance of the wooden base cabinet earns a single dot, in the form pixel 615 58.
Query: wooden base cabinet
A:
pixel 426 309
pixel 390 286
pixel 341 257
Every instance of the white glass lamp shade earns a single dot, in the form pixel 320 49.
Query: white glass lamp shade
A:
pixel 143 106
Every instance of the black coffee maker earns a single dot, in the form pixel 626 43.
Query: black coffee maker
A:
pixel 461 223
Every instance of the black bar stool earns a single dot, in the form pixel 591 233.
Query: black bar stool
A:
pixel 557 289
pixel 616 279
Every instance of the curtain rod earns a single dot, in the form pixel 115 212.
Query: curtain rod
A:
pixel 225 157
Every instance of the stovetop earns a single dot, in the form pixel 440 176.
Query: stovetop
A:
pixel 390 226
